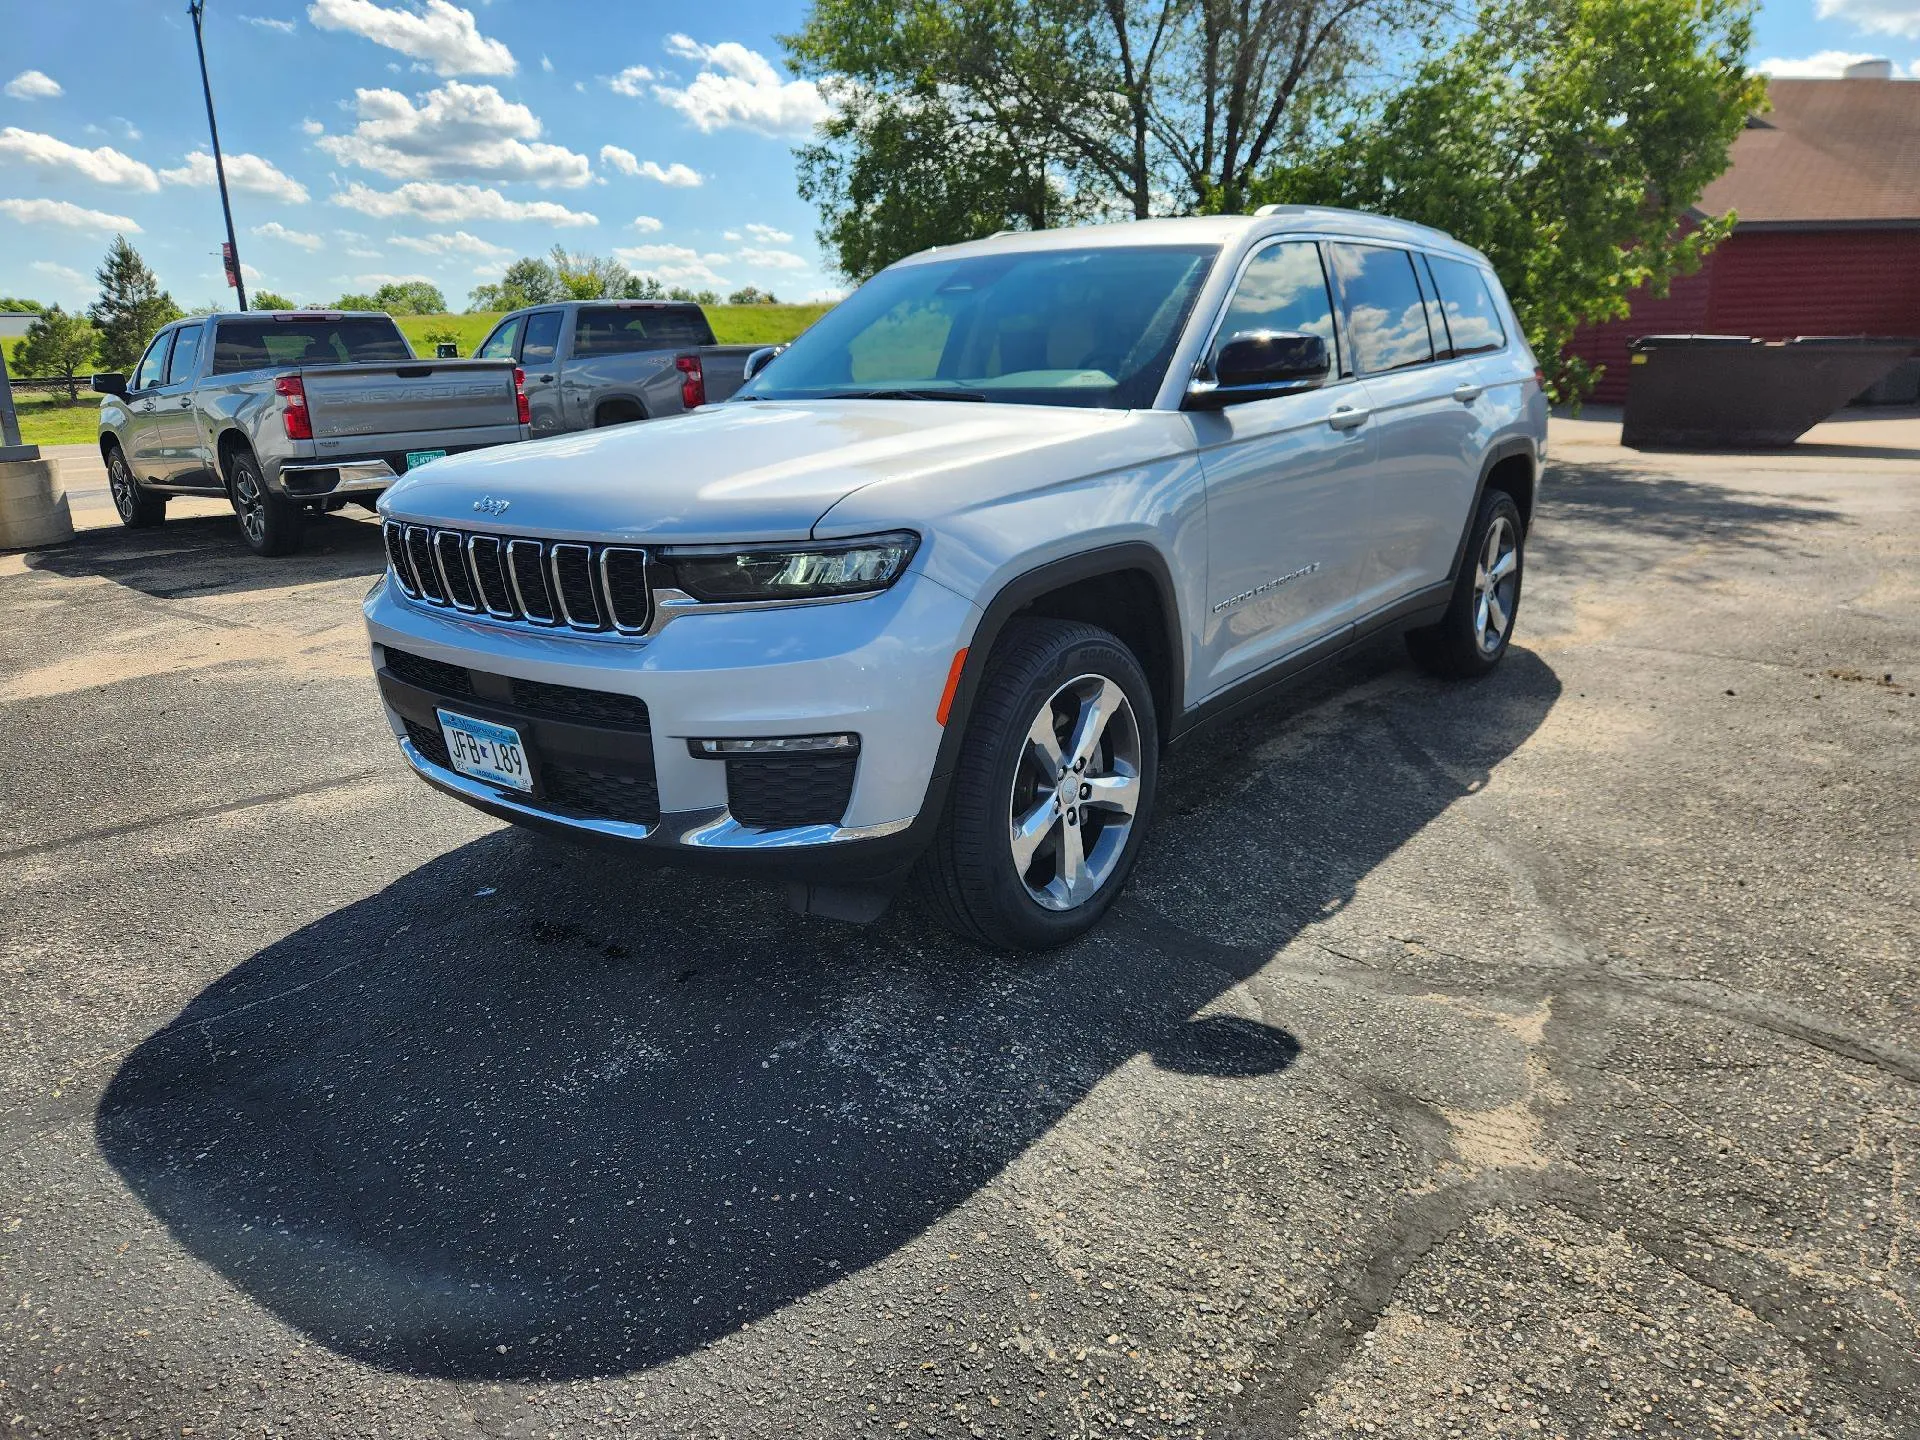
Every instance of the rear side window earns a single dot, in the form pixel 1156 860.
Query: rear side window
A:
pixel 186 350
pixel 1473 319
pixel 620 330
pixel 500 344
pixel 269 344
pixel 1284 288
pixel 543 335
pixel 154 363
pixel 1386 318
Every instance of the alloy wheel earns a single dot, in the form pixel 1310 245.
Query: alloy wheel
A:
pixel 1496 585
pixel 1075 792
pixel 248 502
pixel 120 483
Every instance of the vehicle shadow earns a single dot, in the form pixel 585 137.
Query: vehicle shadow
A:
pixel 529 1112
pixel 205 555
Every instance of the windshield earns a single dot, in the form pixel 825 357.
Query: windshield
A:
pixel 1093 327
pixel 266 344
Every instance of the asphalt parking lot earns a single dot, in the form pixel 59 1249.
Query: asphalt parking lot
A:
pixel 1531 1057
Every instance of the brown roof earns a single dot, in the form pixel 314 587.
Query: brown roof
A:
pixel 1829 151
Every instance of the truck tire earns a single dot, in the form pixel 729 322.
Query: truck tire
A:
pixel 137 509
pixel 1026 860
pixel 1478 625
pixel 270 524
pixel 618 412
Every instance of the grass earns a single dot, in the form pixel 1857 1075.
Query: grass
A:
pixel 732 325
pixel 46 420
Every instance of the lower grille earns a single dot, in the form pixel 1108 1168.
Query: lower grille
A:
pixel 431 744
pixel 598 795
pixel 781 790
pixel 430 674
pixel 590 707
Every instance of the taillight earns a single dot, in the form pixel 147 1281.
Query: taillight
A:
pixel 693 381
pixel 294 416
pixel 520 395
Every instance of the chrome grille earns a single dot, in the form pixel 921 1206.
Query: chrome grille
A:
pixel 555 585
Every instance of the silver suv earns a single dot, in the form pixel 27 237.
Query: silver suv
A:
pixel 931 594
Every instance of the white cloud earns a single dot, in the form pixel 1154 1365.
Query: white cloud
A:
pixel 1876 17
pixel 65 274
pixel 546 65
pixel 59 212
pixel 312 127
pixel 375 279
pixel 105 166
pixel 767 234
pixel 646 224
pixel 274 230
pixel 729 234
pixel 244 172
pixel 457 131
pixel 442 34
pixel 285 27
pixel 1826 64
pixel 34 85
pixel 772 259
pixel 677 175
pixel 361 252
pixel 826 297
pixel 629 81
pixel 458 243
pixel 738 88
pixel 451 204
pixel 676 264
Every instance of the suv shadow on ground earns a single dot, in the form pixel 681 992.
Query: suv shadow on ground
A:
pixel 197 555
pixel 529 1112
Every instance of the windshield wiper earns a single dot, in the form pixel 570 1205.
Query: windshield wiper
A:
pixel 893 393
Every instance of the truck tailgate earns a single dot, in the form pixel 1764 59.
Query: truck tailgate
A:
pixel 725 368
pixel 442 396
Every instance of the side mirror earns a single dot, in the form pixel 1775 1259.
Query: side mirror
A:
pixel 1259 364
pixel 109 382
pixel 446 350
pixel 759 360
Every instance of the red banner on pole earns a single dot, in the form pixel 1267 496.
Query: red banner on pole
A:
pixel 233 274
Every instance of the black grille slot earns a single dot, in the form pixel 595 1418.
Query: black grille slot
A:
pixel 625 573
pixel 429 674
pixel 782 790
pixel 397 556
pixel 525 558
pixel 579 596
pixel 431 744
pixel 589 707
pixel 420 551
pixel 599 795
pixel 453 565
pixel 490 569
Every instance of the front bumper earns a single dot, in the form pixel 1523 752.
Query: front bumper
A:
pixel 607 721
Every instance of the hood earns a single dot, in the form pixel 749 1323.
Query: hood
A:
pixel 765 470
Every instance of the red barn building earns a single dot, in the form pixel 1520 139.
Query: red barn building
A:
pixel 1826 188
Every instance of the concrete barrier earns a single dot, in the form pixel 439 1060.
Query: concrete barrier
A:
pixel 33 505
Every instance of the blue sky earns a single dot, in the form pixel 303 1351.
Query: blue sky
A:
pixel 377 139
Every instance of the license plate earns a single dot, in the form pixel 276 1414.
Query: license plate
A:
pixel 486 751
pixel 417 458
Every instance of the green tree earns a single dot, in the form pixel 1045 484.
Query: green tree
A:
pixel 528 281
pixel 752 295
pixel 130 308
pixel 270 300
pixel 410 297
pixel 14 305
pixel 58 345
pixel 699 297
pixel 588 277
pixel 1568 140
pixel 353 302
pixel 643 287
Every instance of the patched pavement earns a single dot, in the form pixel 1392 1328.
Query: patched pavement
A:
pixel 1530 1057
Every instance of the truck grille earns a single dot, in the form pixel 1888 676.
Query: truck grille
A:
pixel 555 585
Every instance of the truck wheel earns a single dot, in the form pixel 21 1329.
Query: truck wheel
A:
pixel 1478 625
pixel 137 508
pixel 270 523
pixel 1052 792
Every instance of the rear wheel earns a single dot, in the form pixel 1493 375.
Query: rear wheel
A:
pixel 1052 792
pixel 137 509
pixel 1478 625
pixel 271 524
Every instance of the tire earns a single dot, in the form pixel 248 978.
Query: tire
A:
pixel 617 414
pixel 970 878
pixel 270 524
pixel 137 509
pixel 1466 643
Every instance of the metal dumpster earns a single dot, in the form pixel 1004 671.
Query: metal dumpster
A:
pixel 1731 392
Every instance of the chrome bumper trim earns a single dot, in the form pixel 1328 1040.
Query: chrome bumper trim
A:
pixel 354 475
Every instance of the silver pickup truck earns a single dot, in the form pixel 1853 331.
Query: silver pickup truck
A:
pixel 288 413
pixel 592 363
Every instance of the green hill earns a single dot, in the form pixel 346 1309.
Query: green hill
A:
pixel 732 325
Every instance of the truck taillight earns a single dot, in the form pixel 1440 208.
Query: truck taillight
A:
pixel 294 416
pixel 520 395
pixel 693 381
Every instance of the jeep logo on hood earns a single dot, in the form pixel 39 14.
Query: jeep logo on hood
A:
pixel 488 505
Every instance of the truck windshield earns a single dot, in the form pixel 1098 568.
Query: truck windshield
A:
pixel 1093 327
pixel 268 344
pixel 622 329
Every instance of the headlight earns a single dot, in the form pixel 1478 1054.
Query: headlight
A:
pixel 800 571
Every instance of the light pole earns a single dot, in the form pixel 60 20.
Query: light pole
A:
pixel 195 8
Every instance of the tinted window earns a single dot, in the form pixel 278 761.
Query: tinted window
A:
pixel 500 344
pixel 1284 288
pixel 1386 319
pixel 1093 326
pixel 543 334
pixel 1473 319
pixel 154 363
pixel 186 350
pixel 621 329
pixel 309 340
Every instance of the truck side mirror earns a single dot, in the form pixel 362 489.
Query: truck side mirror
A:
pixel 759 360
pixel 1258 364
pixel 108 382
pixel 446 350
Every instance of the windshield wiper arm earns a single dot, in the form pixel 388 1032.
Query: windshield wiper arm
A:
pixel 896 393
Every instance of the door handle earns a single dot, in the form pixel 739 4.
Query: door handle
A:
pixel 1348 417
pixel 186 404
pixel 1467 394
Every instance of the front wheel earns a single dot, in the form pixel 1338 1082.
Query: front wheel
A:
pixel 1478 625
pixel 1052 792
pixel 270 523
pixel 137 509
